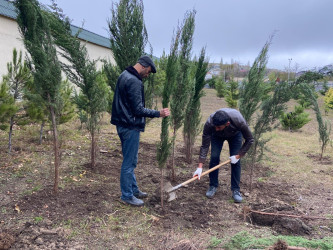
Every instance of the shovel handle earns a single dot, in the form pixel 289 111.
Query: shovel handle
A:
pixel 204 173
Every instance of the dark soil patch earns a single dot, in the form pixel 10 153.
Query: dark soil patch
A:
pixel 281 224
pixel 69 203
pixel 325 160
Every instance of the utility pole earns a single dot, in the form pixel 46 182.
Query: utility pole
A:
pixel 290 59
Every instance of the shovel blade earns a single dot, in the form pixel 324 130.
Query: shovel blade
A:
pixel 168 189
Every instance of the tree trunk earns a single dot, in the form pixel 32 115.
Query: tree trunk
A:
pixel 93 150
pixel 56 151
pixel 173 156
pixel 322 152
pixel 252 166
pixel 10 134
pixel 188 148
pixel 162 188
pixel 41 133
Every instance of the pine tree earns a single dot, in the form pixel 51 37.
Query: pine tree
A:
pixel 128 37
pixel 112 73
pixel 324 127
pixel 180 95
pixel 34 27
pixel 193 115
pixel 254 90
pixel 7 105
pixel 232 94
pixel 81 71
pixel 65 106
pixel 160 76
pixel 294 120
pixel 310 78
pixel 269 99
pixel 18 75
pixel 163 149
pixel 128 32
pixel 270 111
pixel 220 86
pixel 37 112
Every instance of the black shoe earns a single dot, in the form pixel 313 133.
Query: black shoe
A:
pixel 211 192
pixel 141 195
pixel 134 202
pixel 236 195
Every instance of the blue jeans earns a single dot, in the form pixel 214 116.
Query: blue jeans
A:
pixel 235 143
pixel 130 146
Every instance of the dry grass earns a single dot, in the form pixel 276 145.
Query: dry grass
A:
pixel 126 227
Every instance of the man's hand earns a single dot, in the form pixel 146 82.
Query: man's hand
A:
pixel 234 159
pixel 164 112
pixel 198 173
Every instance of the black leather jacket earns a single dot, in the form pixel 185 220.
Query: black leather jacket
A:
pixel 128 108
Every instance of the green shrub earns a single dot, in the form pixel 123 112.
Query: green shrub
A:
pixel 220 87
pixel 329 99
pixel 294 120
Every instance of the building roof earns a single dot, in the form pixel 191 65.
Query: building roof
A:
pixel 7 9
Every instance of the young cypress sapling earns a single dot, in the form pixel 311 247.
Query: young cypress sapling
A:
pixel 18 75
pixel 36 32
pixel 180 95
pixel 163 149
pixel 193 116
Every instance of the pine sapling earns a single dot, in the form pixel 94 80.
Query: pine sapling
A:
pixel 193 115
pixel 18 75
pixel 163 149
pixel 180 95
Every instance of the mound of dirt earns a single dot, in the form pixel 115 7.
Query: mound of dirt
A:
pixel 273 216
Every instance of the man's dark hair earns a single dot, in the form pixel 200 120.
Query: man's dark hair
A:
pixel 220 118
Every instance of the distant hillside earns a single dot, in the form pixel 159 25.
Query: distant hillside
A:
pixel 326 70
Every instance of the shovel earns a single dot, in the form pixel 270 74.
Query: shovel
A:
pixel 171 189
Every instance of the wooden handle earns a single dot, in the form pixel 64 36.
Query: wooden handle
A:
pixel 205 173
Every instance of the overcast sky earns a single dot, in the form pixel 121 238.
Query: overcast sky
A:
pixel 230 29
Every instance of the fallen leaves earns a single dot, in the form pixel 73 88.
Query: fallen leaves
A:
pixel 17 209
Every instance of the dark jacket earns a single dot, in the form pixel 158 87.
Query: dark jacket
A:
pixel 237 124
pixel 128 107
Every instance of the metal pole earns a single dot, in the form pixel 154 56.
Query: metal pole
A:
pixel 289 68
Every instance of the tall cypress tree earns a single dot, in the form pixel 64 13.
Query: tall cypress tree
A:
pixel 324 127
pixel 83 73
pixel 193 115
pixel 128 39
pixel 180 94
pixel 254 90
pixel 128 32
pixel 36 32
pixel 268 99
pixel 163 149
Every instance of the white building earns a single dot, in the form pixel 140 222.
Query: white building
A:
pixel 98 46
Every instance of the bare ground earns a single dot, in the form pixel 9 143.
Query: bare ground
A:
pixel 87 213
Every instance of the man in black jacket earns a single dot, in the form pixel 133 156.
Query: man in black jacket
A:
pixel 128 114
pixel 225 124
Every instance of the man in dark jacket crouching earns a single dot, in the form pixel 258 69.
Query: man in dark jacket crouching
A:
pixel 128 114
pixel 229 125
